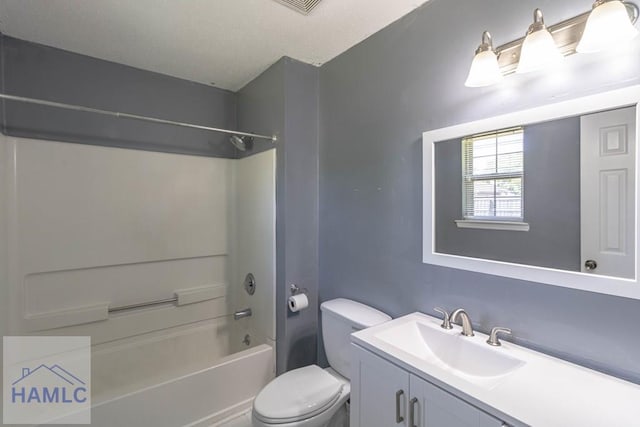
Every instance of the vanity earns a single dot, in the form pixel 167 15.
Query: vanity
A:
pixel 411 372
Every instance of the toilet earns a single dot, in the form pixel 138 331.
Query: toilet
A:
pixel 312 396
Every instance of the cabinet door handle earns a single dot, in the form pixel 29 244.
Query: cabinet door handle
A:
pixel 399 418
pixel 412 412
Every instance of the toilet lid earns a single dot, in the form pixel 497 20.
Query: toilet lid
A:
pixel 297 394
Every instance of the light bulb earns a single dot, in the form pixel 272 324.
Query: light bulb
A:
pixel 484 70
pixel 539 50
pixel 608 26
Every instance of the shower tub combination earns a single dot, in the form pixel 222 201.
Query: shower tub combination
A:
pixel 156 249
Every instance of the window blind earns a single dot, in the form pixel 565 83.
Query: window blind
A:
pixel 493 168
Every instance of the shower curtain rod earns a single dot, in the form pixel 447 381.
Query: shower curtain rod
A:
pixel 129 116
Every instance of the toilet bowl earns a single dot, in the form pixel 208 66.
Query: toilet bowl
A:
pixel 304 397
pixel 312 396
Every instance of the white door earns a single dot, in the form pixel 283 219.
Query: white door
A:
pixel 379 393
pixel 607 187
pixel 434 407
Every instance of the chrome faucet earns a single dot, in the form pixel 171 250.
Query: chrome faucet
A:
pixel 242 313
pixel 446 324
pixel 493 338
pixel 467 329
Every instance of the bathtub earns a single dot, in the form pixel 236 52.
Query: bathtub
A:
pixel 201 398
pixel 198 399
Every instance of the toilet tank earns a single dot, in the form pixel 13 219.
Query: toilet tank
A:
pixel 340 318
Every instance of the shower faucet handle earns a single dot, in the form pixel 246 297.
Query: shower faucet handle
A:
pixel 446 320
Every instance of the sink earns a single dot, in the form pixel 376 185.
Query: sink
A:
pixel 467 357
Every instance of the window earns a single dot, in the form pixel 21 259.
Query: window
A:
pixel 493 167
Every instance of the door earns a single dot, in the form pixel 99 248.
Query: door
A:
pixel 607 188
pixel 431 406
pixel 380 392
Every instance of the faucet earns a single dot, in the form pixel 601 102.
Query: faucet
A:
pixel 242 313
pixel 467 329
pixel 493 338
pixel 446 323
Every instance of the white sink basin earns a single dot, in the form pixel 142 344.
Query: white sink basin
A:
pixel 468 357
pixel 531 387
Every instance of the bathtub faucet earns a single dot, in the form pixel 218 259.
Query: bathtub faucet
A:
pixel 242 313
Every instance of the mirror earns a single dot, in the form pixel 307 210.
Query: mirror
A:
pixel 546 194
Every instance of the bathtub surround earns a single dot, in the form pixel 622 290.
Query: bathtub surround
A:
pixel 253 232
pixel 37 71
pixel 376 101
pixel 4 238
pixel 120 217
pixel 286 96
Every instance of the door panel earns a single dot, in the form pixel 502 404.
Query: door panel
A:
pixel 607 182
pixel 437 408
pixel 381 392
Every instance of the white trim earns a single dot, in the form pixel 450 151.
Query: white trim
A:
pixel 492 225
pixel 577 280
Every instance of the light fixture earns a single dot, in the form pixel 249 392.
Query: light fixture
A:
pixel 538 49
pixel 608 25
pixel 484 69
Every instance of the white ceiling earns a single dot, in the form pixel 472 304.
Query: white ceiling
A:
pixel 225 42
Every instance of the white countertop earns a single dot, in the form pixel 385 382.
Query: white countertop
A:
pixel 544 392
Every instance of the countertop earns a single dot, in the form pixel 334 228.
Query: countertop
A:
pixel 545 391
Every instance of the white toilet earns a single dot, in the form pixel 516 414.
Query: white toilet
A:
pixel 312 396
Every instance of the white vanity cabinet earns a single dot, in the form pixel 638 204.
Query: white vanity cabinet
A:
pixel 385 395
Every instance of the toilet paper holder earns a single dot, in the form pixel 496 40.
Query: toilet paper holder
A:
pixel 295 290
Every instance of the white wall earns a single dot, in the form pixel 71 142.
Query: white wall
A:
pixel 4 211
pixel 96 225
pixel 254 244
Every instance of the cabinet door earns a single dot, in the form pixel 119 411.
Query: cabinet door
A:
pixel 434 407
pixel 379 391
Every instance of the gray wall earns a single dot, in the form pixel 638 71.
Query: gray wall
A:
pixel 551 201
pixel 284 100
pixel 376 101
pixel 34 70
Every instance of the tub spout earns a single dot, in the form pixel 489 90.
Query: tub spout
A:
pixel 242 313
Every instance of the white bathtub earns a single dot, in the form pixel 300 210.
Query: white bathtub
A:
pixel 201 398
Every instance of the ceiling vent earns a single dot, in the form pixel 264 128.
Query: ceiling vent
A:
pixel 302 6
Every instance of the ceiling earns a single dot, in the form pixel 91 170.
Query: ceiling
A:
pixel 222 42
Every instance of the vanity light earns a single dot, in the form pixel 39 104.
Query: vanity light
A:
pixel 484 69
pixel 538 49
pixel 608 25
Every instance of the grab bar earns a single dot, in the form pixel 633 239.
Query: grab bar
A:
pixel 142 304
pixel 242 313
pixel 100 311
pixel 181 297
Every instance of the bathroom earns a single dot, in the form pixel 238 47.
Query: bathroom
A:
pixel 173 173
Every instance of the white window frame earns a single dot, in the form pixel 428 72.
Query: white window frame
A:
pixel 491 222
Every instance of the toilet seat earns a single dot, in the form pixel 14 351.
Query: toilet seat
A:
pixel 297 395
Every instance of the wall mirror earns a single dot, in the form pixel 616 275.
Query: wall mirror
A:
pixel 547 194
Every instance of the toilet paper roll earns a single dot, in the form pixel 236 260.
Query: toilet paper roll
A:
pixel 298 302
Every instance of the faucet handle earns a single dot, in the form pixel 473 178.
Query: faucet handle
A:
pixel 493 337
pixel 446 320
